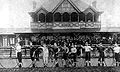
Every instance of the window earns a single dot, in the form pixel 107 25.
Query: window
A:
pixel 82 17
pixel 57 17
pixel 12 40
pixel 42 17
pixel 89 17
pixel 4 41
pixel 74 17
pixel 66 17
pixel 96 17
pixel 49 17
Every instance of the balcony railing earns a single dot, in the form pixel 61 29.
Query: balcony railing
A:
pixel 65 25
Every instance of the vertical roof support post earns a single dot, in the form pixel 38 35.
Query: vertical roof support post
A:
pixel 53 17
pixel 17 38
pixel 45 18
pixel 93 17
pixel 70 17
pixel 78 17
pixel 61 17
pixel 85 18
pixel 53 21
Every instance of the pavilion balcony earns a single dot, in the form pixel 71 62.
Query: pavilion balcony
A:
pixel 65 25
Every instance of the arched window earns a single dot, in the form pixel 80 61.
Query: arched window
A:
pixel 96 16
pixel 49 17
pixel 57 17
pixel 81 17
pixel 66 17
pixel 74 17
pixel 42 17
pixel 89 17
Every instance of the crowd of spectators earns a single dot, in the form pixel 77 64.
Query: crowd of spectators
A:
pixel 76 40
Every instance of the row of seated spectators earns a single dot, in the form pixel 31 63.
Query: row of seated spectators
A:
pixel 75 40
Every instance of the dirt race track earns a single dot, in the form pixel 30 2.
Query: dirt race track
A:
pixel 10 65
pixel 80 69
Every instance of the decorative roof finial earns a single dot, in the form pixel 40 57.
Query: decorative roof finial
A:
pixel 94 4
pixel 34 4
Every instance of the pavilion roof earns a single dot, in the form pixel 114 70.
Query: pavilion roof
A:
pixel 51 4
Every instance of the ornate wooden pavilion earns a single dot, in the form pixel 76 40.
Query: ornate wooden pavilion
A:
pixel 66 18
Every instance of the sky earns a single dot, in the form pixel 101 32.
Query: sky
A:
pixel 14 13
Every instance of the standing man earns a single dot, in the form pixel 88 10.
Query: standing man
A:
pixel 101 50
pixel 56 50
pixel 65 54
pixel 87 53
pixel 45 54
pixel 117 55
pixel 33 53
pixel 19 54
pixel 73 53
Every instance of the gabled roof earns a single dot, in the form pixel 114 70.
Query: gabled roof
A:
pixel 41 8
pixel 91 8
pixel 57 5
pixel 80 4
pixel 73 5
pixel 50 5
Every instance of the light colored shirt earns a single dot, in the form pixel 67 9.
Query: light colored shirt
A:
pixel 87 48
pixel 45 51
pixel 18 48
pixel 116 49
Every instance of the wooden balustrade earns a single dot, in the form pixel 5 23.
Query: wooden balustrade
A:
pixel 65 25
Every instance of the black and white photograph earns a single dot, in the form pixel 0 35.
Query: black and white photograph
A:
pixel 59 35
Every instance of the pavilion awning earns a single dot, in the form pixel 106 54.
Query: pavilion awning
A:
pixel 110 29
